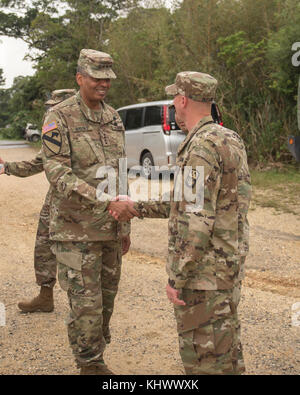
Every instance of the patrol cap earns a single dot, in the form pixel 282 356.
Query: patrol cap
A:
pixel 60 95
pixel 96 64
pixel 196 86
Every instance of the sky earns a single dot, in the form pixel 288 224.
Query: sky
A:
pixel 12 52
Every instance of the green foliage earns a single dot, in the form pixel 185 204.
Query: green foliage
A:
pixel 245 44
pixel 284 75
pixel 21 104
pixel 138 55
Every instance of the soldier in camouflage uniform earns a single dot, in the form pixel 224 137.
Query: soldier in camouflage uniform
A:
pixel 80 136
pixel 207 247
pixel 44 259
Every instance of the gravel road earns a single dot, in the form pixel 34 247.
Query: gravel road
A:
pixel 144 339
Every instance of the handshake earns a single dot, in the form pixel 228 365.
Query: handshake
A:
pixel 122 208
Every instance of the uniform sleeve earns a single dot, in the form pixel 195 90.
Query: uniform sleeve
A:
pixel 57 163
pixel 125 228
pixel 244 194
pixel 25 168
pixel 153 209
pixel 194 223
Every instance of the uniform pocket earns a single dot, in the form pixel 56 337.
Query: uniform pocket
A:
pixel 227 271
pixel 85 151
pixel 206 331
pixel 69 259
pixel 63 276
pixel 203 308
pixel 69 268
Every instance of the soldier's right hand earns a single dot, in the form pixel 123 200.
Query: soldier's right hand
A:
pixel 122 210
pixel 2 163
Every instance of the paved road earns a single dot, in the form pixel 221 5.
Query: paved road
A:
pixel 7 144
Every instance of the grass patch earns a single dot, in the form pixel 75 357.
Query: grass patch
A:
pixel 274 177
pixel 278 188
pixel 36 145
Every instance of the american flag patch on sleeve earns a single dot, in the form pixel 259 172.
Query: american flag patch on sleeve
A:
pixel 49 126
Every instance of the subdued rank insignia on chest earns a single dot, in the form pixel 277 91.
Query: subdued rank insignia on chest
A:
pixel 192 178
pixel 104 139
pixel 52 140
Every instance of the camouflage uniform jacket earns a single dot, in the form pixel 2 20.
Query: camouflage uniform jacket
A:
pixel 206 248
pixel 25 168
pixel 76 143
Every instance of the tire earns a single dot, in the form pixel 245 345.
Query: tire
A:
pixel 147 162
pixel 35 138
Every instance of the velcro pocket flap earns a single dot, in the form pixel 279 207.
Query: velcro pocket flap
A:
pixel 70 259
pixel 193 317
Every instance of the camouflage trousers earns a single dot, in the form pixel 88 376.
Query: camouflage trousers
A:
pixel 209 332
pixel 45 266
pixel 90 273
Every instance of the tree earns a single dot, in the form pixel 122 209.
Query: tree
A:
pixel 135 44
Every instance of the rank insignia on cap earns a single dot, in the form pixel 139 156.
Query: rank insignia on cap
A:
pixel 49 126
pixel 52 141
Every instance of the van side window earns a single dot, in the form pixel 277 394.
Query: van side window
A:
pixel 122 114
pixel 153 116
pixel 134 118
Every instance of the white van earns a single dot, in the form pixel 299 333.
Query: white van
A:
pixel 151 134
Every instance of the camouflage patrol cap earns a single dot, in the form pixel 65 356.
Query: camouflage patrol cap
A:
pixel 60 95
pixel 96 64
pixel 196 86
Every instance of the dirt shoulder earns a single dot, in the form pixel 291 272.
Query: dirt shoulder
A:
pixel 143 325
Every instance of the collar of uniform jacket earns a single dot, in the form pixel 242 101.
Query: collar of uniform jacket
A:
pixel 195 129
pixel 100 116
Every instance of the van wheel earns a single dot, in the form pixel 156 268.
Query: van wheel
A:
pixel 35 138
pixel 147 162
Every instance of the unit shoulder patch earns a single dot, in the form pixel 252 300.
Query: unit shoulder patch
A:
pixel 52 140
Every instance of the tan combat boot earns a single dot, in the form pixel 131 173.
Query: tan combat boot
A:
pixel 43 302
pixel 101 370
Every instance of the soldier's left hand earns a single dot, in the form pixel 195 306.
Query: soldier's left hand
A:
pixel 125 244
pixel 173 296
